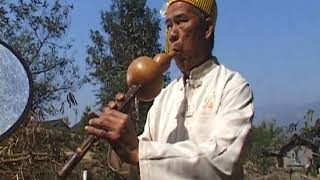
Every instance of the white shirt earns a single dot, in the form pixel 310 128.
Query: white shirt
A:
pixel 197 130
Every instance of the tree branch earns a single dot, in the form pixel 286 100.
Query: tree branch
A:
pixel 46 69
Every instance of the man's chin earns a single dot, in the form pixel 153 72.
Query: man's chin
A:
pixel 182 67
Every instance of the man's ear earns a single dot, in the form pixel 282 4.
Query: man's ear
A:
pixel 209 28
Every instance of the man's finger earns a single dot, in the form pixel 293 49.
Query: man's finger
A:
pixel 109 135
pixel 101 124
pixel 114 116
pixel 120 97
pixel 95 131
pixel 112 105
pixel 92 115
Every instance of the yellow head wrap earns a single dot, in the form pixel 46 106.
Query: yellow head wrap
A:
pixel 209 7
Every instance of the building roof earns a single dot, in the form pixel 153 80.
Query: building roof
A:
pixel 61 123
pixel 297 141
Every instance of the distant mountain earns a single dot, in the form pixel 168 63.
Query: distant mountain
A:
pixel 284 114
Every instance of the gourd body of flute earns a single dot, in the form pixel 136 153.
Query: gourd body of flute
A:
pixel 148 73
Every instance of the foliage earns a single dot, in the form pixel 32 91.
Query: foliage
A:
pixel 37 30
pixel 310 131
pixel 130 30
pixel 39 151
pixel 264 138
pixel 79 127
pixel 311 127
pixel 22 153
pixel 268 138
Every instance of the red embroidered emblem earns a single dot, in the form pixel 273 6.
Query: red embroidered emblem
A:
pixel 209 103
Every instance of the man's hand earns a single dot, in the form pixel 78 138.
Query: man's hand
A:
pixel 117 128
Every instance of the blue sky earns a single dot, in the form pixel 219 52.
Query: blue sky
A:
pixel 274 44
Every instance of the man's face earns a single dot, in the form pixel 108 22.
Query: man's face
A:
pixel 186 36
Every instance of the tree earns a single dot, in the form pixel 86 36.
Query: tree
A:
pixel 263 139
pixel 129 30
pixel 37 30
pixel 85 117
pixel 310 129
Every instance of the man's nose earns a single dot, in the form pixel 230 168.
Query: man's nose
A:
pixel 173 34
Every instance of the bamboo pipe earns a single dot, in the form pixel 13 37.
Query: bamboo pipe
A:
pixel 145 81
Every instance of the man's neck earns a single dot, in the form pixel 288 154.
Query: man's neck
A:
pixel 200 61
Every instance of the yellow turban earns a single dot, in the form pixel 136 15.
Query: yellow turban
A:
pixel 209 7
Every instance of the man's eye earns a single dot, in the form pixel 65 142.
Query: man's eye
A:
pixel 182 19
